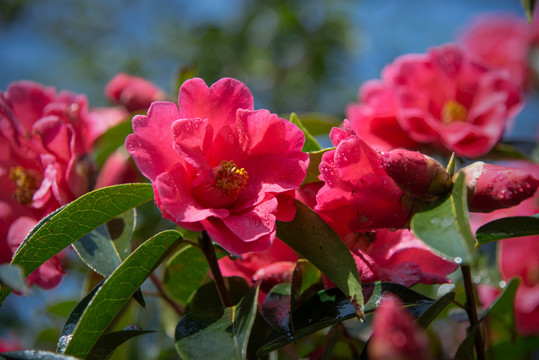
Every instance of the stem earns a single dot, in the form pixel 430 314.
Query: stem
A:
pixel 208 250
pixel 472 310
pixel 157 283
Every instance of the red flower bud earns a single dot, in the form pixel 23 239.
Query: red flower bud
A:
pixel 416 174
pixel 492 187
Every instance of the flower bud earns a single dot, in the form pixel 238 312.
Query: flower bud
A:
pixel 492 187
pixel 416 174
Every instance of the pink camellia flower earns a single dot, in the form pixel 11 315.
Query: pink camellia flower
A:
pixel 358 195
pixel 133 92
pixel 220 166
pixel 271 267
pixel 501 40
pixel 395 335
pixel 443 99
pixel 493 187
pixel 45 138
pixel 519 257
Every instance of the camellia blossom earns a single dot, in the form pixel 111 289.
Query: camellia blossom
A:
pixel 358 195
pixel 133 92
pixel 395 334
pixel 218 165
pixel 45 138
pixel 443 99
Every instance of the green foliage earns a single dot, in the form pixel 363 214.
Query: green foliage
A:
pixel 13 276
pixel 117 289
pixel 508 227
pixel 529 6
pixel 310 142
pixel 221 334
pixel 73 221
pixel 315 157
pixel 444 225
pixel 314 239
pixel 35 355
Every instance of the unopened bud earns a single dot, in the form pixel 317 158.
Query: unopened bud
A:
pixel 492 187
pixel 416 174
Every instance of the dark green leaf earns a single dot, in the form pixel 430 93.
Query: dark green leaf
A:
pixel 501 310
pixel 508 227
pixel 112 140
pixel 73 319
pixel 35 355
pixel 117 289
pixel 314 239
pixel 62 309
pixel 310 142
pixel 13 276
pixel 315 158
pixel 207 297
pixel 466 348
pixel 107 343
pixel 276 310
pixel 223 335
pixel 185 272
pixel 318 123
pixel 444 225
pixel 435 309
pixel 529 6
pixel 506 151
pixel 514 349
pixel 75 220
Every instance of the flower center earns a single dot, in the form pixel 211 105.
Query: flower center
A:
pixel 230 179
pixel 453 111
pixel 25 184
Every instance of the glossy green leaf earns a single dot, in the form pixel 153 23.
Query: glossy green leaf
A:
pixel 102 251
pixel 319 123
pixel 314 239
pixel 206 297
pixel 508 227
pixel 185 272
pixel 75 220
pixel 445 227
pixel 331 306
pixel 276 310
pixel 62 309
pixel 73 319
pixel 107 343
pixel 315 157
pixel 310 142
pixel 35 355
pixel 13 276
pixel 501 310
pixel 112 140
pixel 217 335
pixel 117 289
pixel 528 6
pixel 435 309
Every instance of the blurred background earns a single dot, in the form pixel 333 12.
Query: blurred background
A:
pixel 297 55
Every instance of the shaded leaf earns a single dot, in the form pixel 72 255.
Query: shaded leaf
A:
pixel 319 123
pixel 315 157
pixel 117 289
pixel 35 355
pixel 276 309
pixel 185 272
pixel 217 335
pixel 314 239
pixel 107 343
pixel 514 349
pixel 508 227
pixel 435 309
pixel 444 225
pixel 207 297
pixel 501 309
pixel 528 6
pixel 75 220
pixel 310 142
pixel 62 309
pixel 13 276
pixel 112 139
pixel 465 350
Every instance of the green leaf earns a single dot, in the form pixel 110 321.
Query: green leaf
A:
pixel 508 227
pixel 314 239
pixel 62 309
pixel 112 140
pixel 435 309
pixel 107 343
pixel 444 225
pixel 102 252
pixel 35 355
pixel 207 297
pixel 501 310
pixel 310 142
pixel 315 157
pixel 13 276
pixel 117 289
pixel 217 335
pixel 185 272
pixel 331 306
pixel 276 310
pixel 318 123
pixel 465 350
pixel 514 349
pixel 528 6
pixel 71 222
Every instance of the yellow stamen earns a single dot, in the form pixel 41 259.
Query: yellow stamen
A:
pixel 230 179
pixel 453 111
pixel 25 184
